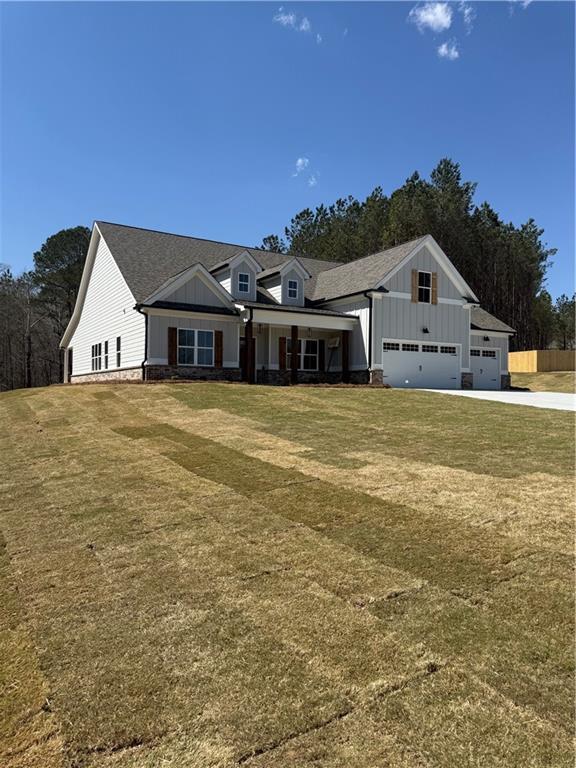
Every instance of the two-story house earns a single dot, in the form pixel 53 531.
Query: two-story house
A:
pixel 153 305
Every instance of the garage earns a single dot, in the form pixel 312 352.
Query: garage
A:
pixel 415 364
pixel 485 367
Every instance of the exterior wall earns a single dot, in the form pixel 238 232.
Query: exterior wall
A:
pixel 158 336
pixel 425 261
pixel 495 342
pixel 119 374
pixel 195 291
pixel 542 360
pixel 360 335
pixel 276 332
pixel 108 312
pixel 395 318
pixel 243 267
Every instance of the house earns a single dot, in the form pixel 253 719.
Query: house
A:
pixel 153 305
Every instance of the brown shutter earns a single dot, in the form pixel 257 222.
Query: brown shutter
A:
pixel 172 346
pixel 282 352
pixel 434 287
pixel 321 355
pixel 218 349
pixel 415 286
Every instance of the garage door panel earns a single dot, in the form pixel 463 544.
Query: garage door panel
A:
pixel 414 364
pixel 485 367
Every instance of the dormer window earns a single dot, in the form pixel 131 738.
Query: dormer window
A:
pixel 243 282
pixel 292 289
pixel 425 287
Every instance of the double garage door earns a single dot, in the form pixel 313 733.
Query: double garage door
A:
pixel 414 364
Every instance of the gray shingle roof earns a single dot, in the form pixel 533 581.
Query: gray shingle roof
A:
pixel 484 321
pixel 362 274
pixel 147 258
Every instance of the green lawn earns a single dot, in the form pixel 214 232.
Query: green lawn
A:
pixel 216 575
pixel 551 381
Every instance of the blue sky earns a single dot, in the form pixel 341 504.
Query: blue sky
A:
pixel 191 117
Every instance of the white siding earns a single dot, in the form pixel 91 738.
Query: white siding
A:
pixel 425 261
pixel 225 280
pixel 108 312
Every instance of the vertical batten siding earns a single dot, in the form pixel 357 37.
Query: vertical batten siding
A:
pixel 495 342
pixel 195 291
pixel 292 275
pixel 108 312
pixel 360 335
pixel 401 319
pixel 247 269
pixel 424 261
pixel 158 336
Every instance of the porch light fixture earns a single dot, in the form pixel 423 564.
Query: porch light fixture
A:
pixel 486 338
pixel 425 330
pixel 259 328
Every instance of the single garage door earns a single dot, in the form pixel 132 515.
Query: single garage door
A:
pixel 485 366
pixel 413 364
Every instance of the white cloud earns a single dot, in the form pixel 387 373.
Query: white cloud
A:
pixel 345 33
pixel 301 164
pixel 448 51
pixel 468 15
pixel 319 39
pixel 437 17
pixel 285 19
pixel 313 180
pixel 305 25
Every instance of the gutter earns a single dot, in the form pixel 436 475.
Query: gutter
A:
pixel 137 307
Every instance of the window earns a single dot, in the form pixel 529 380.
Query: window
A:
pixel 243 282
pixel 96 357
pixel 425 287
pixel 410 347
pixel 307 354
pixel 195 347
pixel 488 353
pixel 448 350
pixel 429 348
pixel 106 354
pixel 475 353
pixel 118 351
pixel 390 346
pixel 292 289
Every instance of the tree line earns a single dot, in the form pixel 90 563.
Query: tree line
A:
pixel 505 265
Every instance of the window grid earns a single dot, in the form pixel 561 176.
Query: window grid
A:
pixel 195 347
pixel 448 350
pixel 96 357
pixel 307 355
pixel 475 353
pixel 429 348
pixel 390 346
pixel 292 289
pixel 243 282
pixel 488 353
pixel 424 287
pixel 410 347
pixel 118 351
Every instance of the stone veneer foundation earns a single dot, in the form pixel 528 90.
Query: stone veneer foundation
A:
pixel 122 374
pixel 167 372
pixel 505 381
pixel 467 381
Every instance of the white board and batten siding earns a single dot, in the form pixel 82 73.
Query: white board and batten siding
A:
pixel 108 312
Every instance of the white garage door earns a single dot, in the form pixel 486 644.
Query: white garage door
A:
pixel 413 364
pixel 485 366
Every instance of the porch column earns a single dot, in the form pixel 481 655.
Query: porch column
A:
pixel 249 351
pixel 345 356
pixel 294 356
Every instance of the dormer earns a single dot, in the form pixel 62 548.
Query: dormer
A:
pixel 238 276
pixel 286 282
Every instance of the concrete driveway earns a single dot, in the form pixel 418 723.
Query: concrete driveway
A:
pixel 559 401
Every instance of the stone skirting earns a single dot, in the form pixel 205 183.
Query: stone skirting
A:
pixel 505 381
pixel 283 378
pixel 122 374
pixel 159 372
pixel 467 381
pixel 376 377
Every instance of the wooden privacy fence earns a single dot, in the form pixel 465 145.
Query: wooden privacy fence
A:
pixel 535 360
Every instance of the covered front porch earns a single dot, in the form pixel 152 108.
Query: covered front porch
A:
pixel 300 345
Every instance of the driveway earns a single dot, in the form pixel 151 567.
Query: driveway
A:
pixel 559 401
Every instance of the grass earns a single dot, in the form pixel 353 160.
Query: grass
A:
pixel 222 576
pixel 551 381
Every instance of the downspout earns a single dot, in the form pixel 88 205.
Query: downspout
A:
pixel 137 308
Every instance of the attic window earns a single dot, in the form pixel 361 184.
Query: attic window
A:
pixel 243 282
pixel 292 289
pixel 424 287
